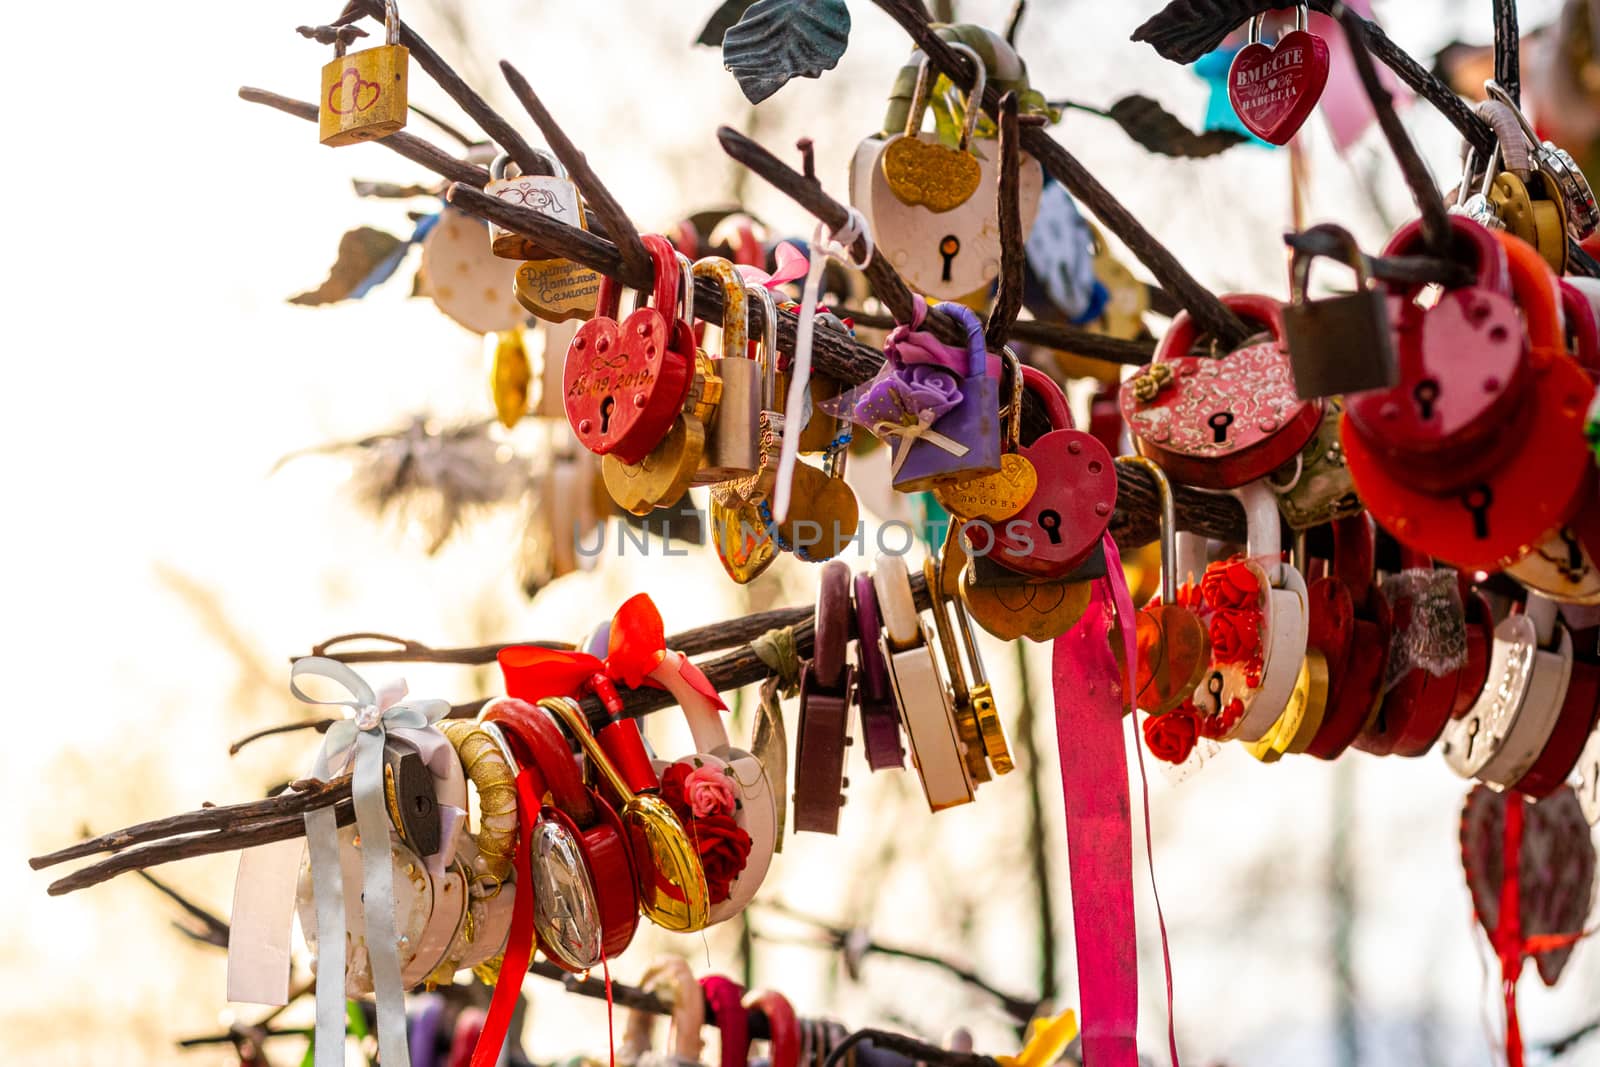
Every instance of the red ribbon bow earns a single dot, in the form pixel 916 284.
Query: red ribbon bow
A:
pixel 637 647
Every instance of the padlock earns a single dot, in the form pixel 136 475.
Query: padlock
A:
pixel 669 980
pixel 1341 344
pixel 827 685
pixel 1000 494
pixel 757 487
pixel 742 539
pixel 1274 90
pixel 1420 703
pixel 921 170
pixel 464 279
pixel 1574 722
pixel 1471 196
pixel 948 255
pixel 553 195
pixel 1284 626
pixel 1220 423
pixel 880 718
pixel 1478 508
pixel 824 515
pixel 1564 181
pixel 924 702
pixel 962 711
pixel 1356 686
pixel 734 447
pixel 1172 645
pixel 625 383
pixel 1062 523
pixel 364 93
pixel 509 378
pixel 1500 738
pixel 960 437
pixel 996 748
pixel 1587 779
pixel 1518 195
pixel 1317 488
pixel 1012 606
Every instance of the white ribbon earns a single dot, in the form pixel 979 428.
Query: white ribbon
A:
pixel 358 740
pixel 921 430
pixel 824 244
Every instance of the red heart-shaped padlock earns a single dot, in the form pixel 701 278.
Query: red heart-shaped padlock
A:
pixel 1274 90
pixel 626 382
pixel 1353 696
pixel 1063 521
pixel 1220 423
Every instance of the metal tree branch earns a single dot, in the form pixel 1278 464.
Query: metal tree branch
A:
pixel 1013 253
pixel 1213 317
pixel 488 119
pixel 412 147
pixel 1435 220
pixel 606 208
pixel 1508 49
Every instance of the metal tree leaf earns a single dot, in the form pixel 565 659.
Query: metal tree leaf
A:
pixel 726 14
pixel 1557 866
pixel 362 252
pixel 1159 131
pixel 1185 30
pixel 781 39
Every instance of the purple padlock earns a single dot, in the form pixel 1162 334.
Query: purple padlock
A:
pixel 880 718
pixel 941 426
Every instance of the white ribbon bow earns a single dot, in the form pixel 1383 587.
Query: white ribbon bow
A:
pixel 908 435
pixel 357 742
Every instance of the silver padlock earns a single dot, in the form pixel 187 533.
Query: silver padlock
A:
pixel 553 195
pixel 925 704
pixel 1342 344
pixel 1476 206
pixel 1508 726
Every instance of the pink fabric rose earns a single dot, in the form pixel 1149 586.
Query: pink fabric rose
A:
pixel 708 792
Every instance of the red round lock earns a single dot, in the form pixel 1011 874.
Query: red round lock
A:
pixel 626 382
pixel 1353 697
pixel 1573 725
pixel 1542 470
pixel 1220 422
pixel 536 739
pixel 1062 523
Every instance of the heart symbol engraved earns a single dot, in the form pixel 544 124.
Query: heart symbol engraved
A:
pixel 936 177
pixel 353 94
pixel 1274 90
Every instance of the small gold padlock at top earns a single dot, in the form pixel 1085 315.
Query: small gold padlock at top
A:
pixel 364 94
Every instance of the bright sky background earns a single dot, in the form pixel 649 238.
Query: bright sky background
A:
pixel 159 578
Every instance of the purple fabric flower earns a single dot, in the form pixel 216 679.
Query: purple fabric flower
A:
pixel 908 396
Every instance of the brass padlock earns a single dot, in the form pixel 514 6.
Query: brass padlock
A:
pixel 767 435
pixel 732 450
pixel 364 93
pixel 1341 344
pixel 1317 487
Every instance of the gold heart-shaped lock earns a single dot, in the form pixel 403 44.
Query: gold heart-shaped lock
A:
pixel 743 544
pixel 921 170
pixel 998 495
pixel 663 476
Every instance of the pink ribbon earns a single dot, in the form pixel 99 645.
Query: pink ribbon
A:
pixel 1090 694
pixel 792 265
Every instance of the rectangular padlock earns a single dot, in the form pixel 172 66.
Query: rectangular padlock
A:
pixel 820 750
pixel 929 719
pixel 364 93
pixel 1342 344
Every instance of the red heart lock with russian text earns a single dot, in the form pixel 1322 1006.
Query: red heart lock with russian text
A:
pixel 1274 90
pixel 1063 521
pixel 626 382
pixel 1220 422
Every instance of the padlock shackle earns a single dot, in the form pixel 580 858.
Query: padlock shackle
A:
pixel 1264 538
pixel 1488 257
pixel 1049 393
pixel 735 304
pixel 768 351
pixel 664 295
pixel 1534 288
pixel 1302 18
pixel 391 22
pixel 924 88
pixel 685 288
pixel 1013 410
pixel 1169 524
pixel 932 572
pixel 1512 138
pixel 1301 262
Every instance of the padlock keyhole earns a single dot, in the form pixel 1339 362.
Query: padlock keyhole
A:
pixel 1219 426
pixel 1472 736
pixel 1050 523
pixel 1426 394
pixel 421 804
pixel 606 407
pixel 1477 500
pixel 949 248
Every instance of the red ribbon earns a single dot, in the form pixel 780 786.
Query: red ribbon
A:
pixel 519 942
pixel 638 644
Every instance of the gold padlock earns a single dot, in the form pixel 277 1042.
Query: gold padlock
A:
pixel 962 711
pixel 364 94
pixel 732 450
pixel 767 432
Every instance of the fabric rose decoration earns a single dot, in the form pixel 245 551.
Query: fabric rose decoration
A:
pixel 1233 584
pixel 1171 737
pixel 1217 727
pixel 1235 636
pixel 704 801
pixel 908 396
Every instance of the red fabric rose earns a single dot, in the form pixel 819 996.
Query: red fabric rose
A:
pixel 1171 737
pixel 1189 597
pixel 724 849
pixel 1235 636
pixel 1231 584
